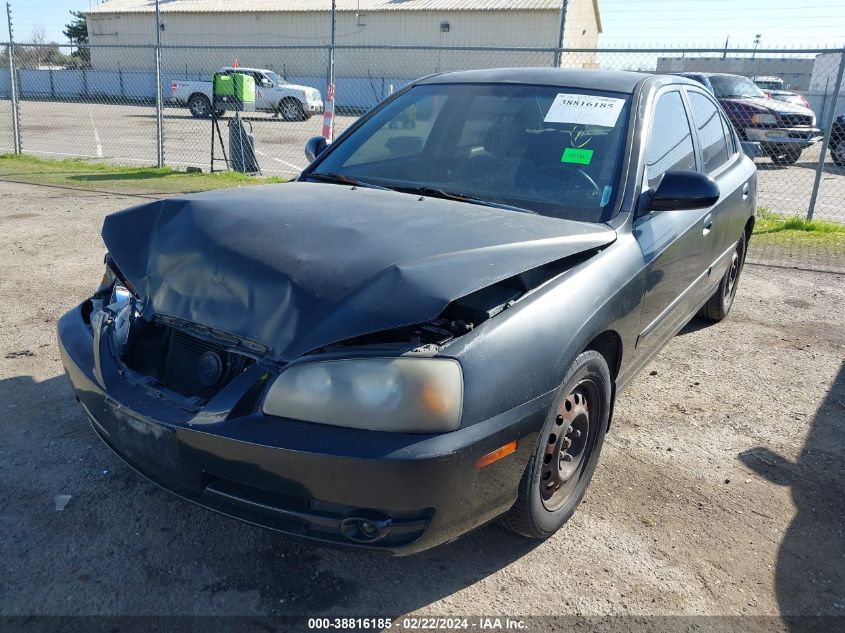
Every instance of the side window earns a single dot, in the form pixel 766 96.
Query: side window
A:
pixel 670 143
pixel 711 134
pixel 730 134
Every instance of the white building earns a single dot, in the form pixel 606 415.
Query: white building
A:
pixel 234 25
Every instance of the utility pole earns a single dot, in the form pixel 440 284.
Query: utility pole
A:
pixel 563 7
pixel 757 39
pixel 159 113
pixel 725 53
pixel 13 78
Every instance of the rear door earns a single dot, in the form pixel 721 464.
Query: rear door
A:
pixel 721 159
pixel 672 242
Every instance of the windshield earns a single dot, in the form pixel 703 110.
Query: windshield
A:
pixel 547 150
pixel 274 77
pixel 732 86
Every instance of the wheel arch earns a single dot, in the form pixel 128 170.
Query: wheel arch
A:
pixel 609 345
pixel 198 94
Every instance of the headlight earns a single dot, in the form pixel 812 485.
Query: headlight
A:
pixel 764 119
pixel 404 395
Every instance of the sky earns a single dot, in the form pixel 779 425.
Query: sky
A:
pixel 781 23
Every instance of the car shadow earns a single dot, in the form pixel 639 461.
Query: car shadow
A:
pixel 178 558
pixel 696 324
pixel 810 569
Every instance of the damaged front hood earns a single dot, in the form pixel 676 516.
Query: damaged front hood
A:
pixel 298 266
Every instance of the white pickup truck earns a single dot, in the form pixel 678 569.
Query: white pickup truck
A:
pixel 272 94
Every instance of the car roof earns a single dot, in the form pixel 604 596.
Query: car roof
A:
pixel 247 69
pixel 705 74
pixel 610 80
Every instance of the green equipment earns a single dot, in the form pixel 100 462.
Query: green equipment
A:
pixel 234 91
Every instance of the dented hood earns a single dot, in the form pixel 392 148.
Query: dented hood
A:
pixel 302 265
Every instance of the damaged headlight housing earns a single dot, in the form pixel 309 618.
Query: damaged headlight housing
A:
pixel 404 395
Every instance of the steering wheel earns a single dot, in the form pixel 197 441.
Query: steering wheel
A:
pixel 549 185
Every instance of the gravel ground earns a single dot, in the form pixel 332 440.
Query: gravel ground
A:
pixel 719 491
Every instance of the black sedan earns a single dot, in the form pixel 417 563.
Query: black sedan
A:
pixel 428 330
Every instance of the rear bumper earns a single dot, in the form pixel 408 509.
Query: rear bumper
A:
pixel 306 480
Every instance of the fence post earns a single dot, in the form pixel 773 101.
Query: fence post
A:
pixel 827 126
pixel 13 80
pixel 159 115
pixel 330 88
pixel 558 56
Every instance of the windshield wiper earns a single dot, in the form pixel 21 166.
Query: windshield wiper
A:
pixel 343 179
pixel 433 192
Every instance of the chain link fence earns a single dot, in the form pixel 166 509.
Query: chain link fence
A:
pixel 101 105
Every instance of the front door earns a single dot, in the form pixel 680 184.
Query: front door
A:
pixel 673 243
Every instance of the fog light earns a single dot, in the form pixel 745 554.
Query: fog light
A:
pixel 365 526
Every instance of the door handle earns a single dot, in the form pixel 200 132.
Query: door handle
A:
pixel 708 225
pixel 745 191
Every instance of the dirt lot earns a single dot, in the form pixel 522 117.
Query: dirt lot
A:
pixel 719 491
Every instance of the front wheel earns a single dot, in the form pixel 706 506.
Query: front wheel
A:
pixel 837 153
pixel 291 110
pixel 567 451
pixel 718 306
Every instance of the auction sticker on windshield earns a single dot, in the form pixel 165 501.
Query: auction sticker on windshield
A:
pixel 584 110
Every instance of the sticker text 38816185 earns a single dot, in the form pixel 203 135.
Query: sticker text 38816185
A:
pixel 584 110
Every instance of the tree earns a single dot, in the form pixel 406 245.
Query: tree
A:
pixel 77 32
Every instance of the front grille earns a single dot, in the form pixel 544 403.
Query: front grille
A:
pixel 797 120
pixel 180 362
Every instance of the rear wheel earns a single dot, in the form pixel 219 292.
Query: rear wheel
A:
pixel 200 106
pixel 567 451
pixel 291 110
pixel 718 306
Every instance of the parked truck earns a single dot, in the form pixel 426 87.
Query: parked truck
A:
pixel 783 130
pixel 291 102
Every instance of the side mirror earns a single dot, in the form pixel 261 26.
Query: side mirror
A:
pixel 266 83
pixel 314 147
pixel 682 190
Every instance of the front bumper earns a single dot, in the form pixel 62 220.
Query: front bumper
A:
pixel 794 137
pixel 307 480
pixel 314 107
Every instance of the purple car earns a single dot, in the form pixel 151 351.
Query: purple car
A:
pixel 782 129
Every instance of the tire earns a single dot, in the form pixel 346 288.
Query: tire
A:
pixel 837 153
pixel 291 110
pixel 200 106
pixel 785 156
pixel 548 494
pixel 719 305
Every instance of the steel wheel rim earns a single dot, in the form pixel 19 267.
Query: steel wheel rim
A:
pixel 732 275
pixel 568 445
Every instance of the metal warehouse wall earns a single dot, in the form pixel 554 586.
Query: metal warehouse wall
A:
pixel 468 28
